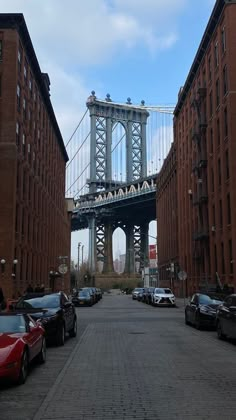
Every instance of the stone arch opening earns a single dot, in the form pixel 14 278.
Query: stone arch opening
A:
pixel 119 250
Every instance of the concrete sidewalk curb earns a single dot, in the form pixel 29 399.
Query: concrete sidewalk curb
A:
pixel 46 401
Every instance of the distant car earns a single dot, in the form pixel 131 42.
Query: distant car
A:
pixel 82 298
pixel 226 318
pixel 163 297
pixel 21 341
pixel 55 311
pixel 140 295
pixel 135 292
pixel 201 310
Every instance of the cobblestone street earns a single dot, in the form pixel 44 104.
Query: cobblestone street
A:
pixel 130 361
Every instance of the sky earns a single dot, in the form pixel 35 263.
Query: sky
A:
pixel 142 49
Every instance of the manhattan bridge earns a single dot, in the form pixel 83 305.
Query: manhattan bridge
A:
pixel 115 154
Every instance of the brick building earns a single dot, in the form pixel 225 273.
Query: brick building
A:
pixel 34 218
pixel 204 138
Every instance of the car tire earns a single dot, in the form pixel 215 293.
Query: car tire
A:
pixel 24 368
pixel 220 334
pixel 41 358
pixel 61 335
pixel 73 332
pixel 198 321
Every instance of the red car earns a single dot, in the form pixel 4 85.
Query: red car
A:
pixel 21 341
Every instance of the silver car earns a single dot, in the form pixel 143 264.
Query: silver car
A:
pixel 163 297
pixel 136 292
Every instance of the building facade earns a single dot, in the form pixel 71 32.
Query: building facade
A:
pixel 204 137
pixel 167 222
pixel 34 219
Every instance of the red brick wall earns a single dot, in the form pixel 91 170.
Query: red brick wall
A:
pixel 34 223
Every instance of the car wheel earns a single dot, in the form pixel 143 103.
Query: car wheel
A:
pixel 61 335
pixel 197 321
pixel 41 358
pixel 220 333
pixel 24 367
pixel 73 332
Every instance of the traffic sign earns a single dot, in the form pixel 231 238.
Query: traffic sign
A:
pixel 63 268
pixel 182 275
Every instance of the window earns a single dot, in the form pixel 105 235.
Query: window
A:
pixel 223 258
pixel 209 68
pixel 211 140
pixel 24 108
pixel 225 80
pixel 19 58
pixel 18 96
pixel 212 180
pixel 223 40
pixel 221 214
pixel 231 263
pixel 215 249
pixel 219 172
pixel 218 131
pixel 213 215
pixel 17 134
pixel 217 93
pixel 225 122
pixel 0 85
pixel 227 164
pixel 23 144
pixel 210 104
pixel 0 50
pixel 216 54
pixel 228 209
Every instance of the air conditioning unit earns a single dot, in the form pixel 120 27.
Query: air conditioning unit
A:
pixel 213 228
pixel 190 192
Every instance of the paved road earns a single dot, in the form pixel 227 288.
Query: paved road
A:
pixel 130 361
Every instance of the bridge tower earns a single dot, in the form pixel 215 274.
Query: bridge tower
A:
pixel 103 116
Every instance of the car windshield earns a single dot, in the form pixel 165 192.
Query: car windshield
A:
pixel 47 301
pixel 12 324
pixel 84 294
pixel 138 289
pixel 163 291
pixel 208 300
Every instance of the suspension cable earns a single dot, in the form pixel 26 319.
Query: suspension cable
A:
pixel 78 150
pixel 78 177
pixel 76 128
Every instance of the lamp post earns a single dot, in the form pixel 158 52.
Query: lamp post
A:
pixel 79 245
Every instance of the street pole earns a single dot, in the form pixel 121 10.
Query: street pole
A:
pixel 79 244
pixel 82 254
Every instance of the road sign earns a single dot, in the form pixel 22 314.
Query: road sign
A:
pixel 182 275
pixel 63 268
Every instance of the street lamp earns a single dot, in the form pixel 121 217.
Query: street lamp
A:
pixel 79 245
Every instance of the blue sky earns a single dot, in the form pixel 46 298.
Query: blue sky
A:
pixel 141 49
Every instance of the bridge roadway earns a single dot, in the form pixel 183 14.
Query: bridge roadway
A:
pixel 136 201
pixel 130 361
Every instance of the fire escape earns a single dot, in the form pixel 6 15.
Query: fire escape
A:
pixel 200 197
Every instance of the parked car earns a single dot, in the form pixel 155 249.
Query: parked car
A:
pixel 82 298
pixel 55 311
pixel 201 310
pixel 21 341
pixel 135 292
pixel 149 295
pixel 163 297
pixel 140 295
pixel 226 318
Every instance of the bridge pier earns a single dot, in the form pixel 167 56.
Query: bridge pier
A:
pixel 130 257
pixel 144 243
pixel 92 257
pixel 108 254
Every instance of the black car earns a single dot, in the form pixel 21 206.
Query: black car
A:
pixel 56 313
pixel 201 310
pixel 226 318
pixel 82 298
